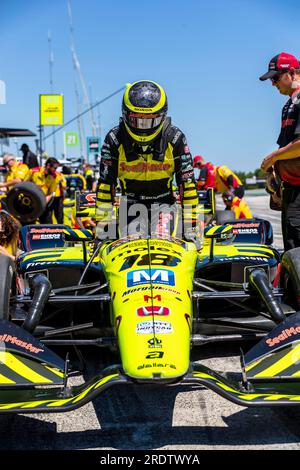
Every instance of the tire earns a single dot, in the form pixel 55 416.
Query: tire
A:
pixel 6 281
pixel 26 201
pixel 290 277
pixel 224 217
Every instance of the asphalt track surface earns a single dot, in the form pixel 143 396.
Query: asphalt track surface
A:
pixel 154 417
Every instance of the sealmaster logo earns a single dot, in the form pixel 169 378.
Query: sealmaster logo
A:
pixel 145 276
pixel 18 342
pixel 285 334
pixel 153 310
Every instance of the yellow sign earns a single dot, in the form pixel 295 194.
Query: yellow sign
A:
pixel 51 110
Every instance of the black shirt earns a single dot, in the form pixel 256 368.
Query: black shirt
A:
pixel 30 159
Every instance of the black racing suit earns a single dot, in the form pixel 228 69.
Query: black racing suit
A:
pixel 145 174
pixel 289 172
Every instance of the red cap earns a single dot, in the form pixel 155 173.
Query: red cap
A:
pixel 280 63
pixel 198 159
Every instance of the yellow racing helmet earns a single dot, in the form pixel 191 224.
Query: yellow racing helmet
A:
pixel 144 110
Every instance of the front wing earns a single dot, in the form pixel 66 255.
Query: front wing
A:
pixel 71 398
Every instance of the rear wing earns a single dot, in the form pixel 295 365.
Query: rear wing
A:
pixel 34 237
pixel 254 230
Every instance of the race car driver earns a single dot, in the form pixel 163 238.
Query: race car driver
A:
pixel 237 205
pixel 207 177
pixel 144 152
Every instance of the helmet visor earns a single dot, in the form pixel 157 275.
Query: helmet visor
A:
pixel 144 121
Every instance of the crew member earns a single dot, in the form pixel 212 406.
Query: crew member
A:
pixel 284 163
pixel 207 177
pixel 9 234
pixel 46 178
pixel 29 158
pixel 17 172
pixel 58 202
pixel 226 180
pixel 89 177
pixel 237 205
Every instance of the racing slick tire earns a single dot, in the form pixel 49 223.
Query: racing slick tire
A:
pixel 224 217
pixel 6 281
pixel 26 201
pixel 290 277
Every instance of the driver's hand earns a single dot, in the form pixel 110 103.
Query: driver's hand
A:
pixel 193 234
pixel 101 230
pixel 103 218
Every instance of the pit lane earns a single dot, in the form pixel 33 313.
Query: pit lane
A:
pixel 152 417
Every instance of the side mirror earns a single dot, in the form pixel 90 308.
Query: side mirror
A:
pixel 219 232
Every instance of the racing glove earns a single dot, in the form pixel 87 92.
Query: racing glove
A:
pixel 104 217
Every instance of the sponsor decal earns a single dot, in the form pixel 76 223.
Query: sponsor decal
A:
pixel 155 343
pixel 187 177
pixel 145 276
pixel 144 167
pixel 152 297
pixel 244 258
pixel 151 327
pixel 106 159
pixel 91 197
pixel 285 334
pixel 176 137
pixel 287 122
pixel 155 364
pixel 143 110
pixel 47 236
pixel 41 263
pixel 155 355
pixel 153 310
pixel 46 230
pixel 250 231
pixel 143 116
pixel 114 139
pixel 18 342
pixel 244 225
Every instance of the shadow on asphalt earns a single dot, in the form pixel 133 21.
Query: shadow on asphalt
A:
pixel 130 420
